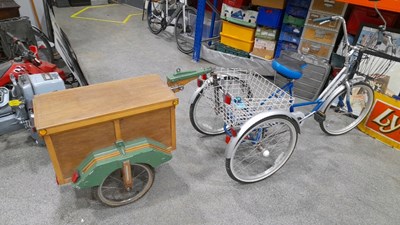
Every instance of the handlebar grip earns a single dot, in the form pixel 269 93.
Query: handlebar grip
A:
pixel 322 19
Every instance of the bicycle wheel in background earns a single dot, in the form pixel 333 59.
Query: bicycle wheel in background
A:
pixel 185 37
pixel 339 119
pixel 262 149
pixel 45 51
pixel 155 16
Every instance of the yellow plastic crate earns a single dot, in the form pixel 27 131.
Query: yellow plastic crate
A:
pixel 235 42
pixel 238 32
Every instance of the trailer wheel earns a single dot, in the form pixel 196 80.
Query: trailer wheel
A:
pixel 112 191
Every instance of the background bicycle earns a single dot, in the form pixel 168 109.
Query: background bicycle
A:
pixel 164 13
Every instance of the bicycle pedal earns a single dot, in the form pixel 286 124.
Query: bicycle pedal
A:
pixel 319 116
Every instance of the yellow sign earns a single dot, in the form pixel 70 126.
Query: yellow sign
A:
pixel 383 122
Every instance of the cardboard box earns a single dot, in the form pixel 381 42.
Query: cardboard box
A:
pixel 266 33
pixel 263 48
pixel 277 4
pixel 239 16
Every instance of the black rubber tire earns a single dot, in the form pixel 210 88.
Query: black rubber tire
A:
pixel 150 17
pixel 180 40
pixel 209 92
pixel 325 125
pixel 196 126
pixel 98 192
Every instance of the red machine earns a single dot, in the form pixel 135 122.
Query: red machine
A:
pixel 26 63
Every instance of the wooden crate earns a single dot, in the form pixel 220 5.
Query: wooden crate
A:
pixel 78 121
pixel 8 9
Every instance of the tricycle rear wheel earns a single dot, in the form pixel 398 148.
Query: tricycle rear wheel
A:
pixel 113 192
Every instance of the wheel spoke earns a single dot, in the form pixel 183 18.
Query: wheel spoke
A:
pixel 256 159
pixel 106 187
pixel 114 193
pixel 338 118
pixel 116 179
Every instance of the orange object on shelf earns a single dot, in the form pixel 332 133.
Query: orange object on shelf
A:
pixel 383 122
pixel 390 5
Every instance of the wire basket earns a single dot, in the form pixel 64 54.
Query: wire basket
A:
pixel 374 63
pixel 249 94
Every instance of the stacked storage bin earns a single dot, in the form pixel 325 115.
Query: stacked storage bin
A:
pixel 268 22
pixel 317 39
pixel 238 26
pixel 293 22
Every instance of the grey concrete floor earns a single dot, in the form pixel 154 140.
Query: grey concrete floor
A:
pixel 350 179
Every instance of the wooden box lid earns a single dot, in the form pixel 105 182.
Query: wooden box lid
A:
pixel 101 102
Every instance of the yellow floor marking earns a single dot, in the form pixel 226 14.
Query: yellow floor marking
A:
pixel 75 15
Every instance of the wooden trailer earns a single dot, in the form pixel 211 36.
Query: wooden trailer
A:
pixel 76 122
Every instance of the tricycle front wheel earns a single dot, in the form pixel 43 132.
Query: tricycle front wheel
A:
pixel 113 192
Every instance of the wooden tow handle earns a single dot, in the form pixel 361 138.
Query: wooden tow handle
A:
pixel 178 80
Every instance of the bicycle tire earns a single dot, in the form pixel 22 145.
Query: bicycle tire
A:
pixel 338 120
pixel 277 140
pixel 204 114
pixel 155 17
pixel 142 184
pixel 45 51
pixel 185 39
pixel 206 111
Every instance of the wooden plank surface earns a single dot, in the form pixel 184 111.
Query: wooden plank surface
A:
pixel 72 147
pixel 155 125
pixel 94 101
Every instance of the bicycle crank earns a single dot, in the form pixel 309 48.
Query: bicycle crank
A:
pixel 319 116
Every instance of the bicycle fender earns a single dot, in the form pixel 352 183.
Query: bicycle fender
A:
pixel 332 96
pixel 198 90
pixel 99 164
pixel 234 140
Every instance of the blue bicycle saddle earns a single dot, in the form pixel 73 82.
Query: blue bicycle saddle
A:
pixel 288 67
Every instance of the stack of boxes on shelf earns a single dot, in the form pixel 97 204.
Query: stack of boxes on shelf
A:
pixel 238 27
pixel 251 31
pixel 268 22
pixel 278 25
pixel 319 40
pixel 293 22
